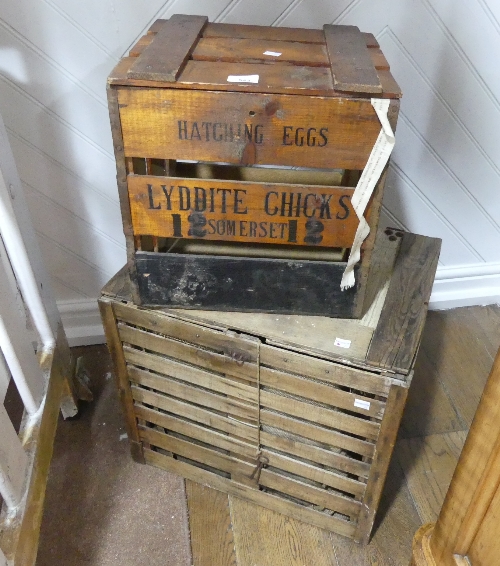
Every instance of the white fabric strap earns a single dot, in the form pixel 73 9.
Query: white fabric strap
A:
pixel 366 184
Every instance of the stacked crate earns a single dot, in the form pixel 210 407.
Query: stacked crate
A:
pixel 207 120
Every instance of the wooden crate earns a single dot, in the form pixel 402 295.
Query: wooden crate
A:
pixel 202 163
pixel 316 401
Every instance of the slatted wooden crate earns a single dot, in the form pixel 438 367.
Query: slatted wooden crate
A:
pixel 212 218
pixel 295 413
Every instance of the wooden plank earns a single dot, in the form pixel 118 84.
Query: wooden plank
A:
pixel 317 433
pixel 195 452
pixel 181 351
pixel 210 526
pixel 267 500
pixel 315 454
pixel 238 211
pixel 192 394
pixel 237 50
pixel 381 459
pixel 156 321
pixel 397 335
pixel 156 129
pixel 197 432
pixel 389 84
pixel 324 370
pixel 264 537
pixel 121 376
pixel 309 493
pixel 314 473
pixel 320 415
pixel 192 375
pixel 428 465
pixel 164 58
pixel 138 48
pixel 267 33
pixel 352 67
pixel 199 414
pixel 313 391
pixel 378 59
pixel 244 284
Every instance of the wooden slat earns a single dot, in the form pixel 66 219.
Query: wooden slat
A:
pixel 164 58
pixel 380 464
pixel 138 48
pixel 192 394
pixel 311 390
pixel 378 59
pixel 317 496
pixel 397 335
pixel 352 67
pixel 197 432
pixel 264 33
pixel 185 352
pixel 151 127
pixel 236 50
pixel 314 473
pixel 195 452
pixel 187 331
pixel 272 78
pixel 320 415
pixel 191 375
pixel 267 500
pixel 210 526
pixel 315 453
pixel 389 84
pixel 238 211
pixel 199 414
pixel 317 433
pixel 324 370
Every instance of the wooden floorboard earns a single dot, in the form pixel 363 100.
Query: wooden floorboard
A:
pixel 428 464
pixel 212 541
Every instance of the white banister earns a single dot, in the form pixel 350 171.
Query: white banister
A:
pixel 13 462
pixel 17 349
pixel 4 377
pixel 22 247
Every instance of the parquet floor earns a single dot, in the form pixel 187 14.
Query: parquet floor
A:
pixel 455 358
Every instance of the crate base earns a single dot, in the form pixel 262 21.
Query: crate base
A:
pixel 227 283
pixel 267 500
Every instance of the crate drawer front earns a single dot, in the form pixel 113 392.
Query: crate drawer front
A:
pixel 171 207
pixel 247 128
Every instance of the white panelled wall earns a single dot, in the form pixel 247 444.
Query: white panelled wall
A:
pixel 444 181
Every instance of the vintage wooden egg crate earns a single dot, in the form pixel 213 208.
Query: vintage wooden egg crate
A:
pixel 207 121
pixel 296 413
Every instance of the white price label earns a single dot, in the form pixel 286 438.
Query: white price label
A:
pixel 362 404
pixel 243 79
pixel 272 53
pixel 342 343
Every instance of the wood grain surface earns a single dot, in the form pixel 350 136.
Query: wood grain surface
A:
pixel 298 215
pixel 352 66
pixel 166 55
pixel 212 541
pixel 247 128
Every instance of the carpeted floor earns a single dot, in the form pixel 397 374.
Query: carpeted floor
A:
pixel 101 508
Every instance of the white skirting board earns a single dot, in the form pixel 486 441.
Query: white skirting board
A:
pixel 458 286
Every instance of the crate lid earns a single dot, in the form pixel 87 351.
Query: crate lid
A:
pixel 189 52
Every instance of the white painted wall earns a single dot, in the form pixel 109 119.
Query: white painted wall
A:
pixel 445 177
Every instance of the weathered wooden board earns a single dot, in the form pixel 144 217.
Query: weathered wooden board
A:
pixel 247 128
pixel 164 58
pixel 397 336
pixel 191 281
pixel 299 35
pixel 246 212
pixel 236 50
pixel 352 66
